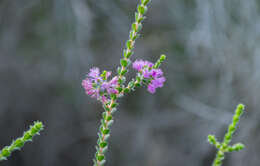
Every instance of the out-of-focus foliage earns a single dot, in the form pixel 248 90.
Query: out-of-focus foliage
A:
pixel 18 143
pixel 224 147
pixel 47 46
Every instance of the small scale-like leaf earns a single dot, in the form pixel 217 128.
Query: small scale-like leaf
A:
pixel 142 9
pixel 106 131
pixel 5 152
pixel 103 144
pixel 100 157
pixel 110 123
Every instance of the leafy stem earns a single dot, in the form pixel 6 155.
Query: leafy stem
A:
pixel 19 142
pixel 133 35
pixel 224 146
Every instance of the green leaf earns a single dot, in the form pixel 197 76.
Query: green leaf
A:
pixel 142 9
pixel 131 84
pixel 238 147
pixel 145 2
pixel 240 109
pixel 129 44
pixel 136 16
pixel 132 34
pixel 118 70
pixel 137 84
pixel 228 136
pixel 212 139
pixel 134 27
pixel 113 110
pixel 100 157
pixel 236 118
pixel 109 118
pixel 123 72
pixel 113 96
pixel 114 105
pixel 126 90
pixel 110 123
pixel 107 137
pixel 104 115
pixel 106 131
pixel 19 143
pixel 106 108
pixel 27 136
pixel 123 62
pixel 129 53
pixel 138 79
pixel 103 144
pixel 38 125
pixel 33 130
pixel 162 58
pixel 105 149
pixel 232 128
pixel 102 122
pixel 5 152
pixel 119 88
pixel 139 28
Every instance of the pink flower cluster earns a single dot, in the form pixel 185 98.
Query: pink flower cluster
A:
pixel 156 75
pixel 97 86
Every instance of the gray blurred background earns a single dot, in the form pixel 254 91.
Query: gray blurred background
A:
pixel 213 63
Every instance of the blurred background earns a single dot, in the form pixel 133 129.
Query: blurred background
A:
pixel 213 63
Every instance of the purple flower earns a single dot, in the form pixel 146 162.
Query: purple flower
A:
pixel 95 85
pixel 140 64
pixel 88 86
pixel 108 74
pixel 146 73
pixel 110 86
pixel 111 89
pixel 94 73
pixel 156 83
pixel 155 75
pixel 103 99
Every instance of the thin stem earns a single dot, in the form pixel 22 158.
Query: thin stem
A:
pixel 104 132
pixel 224 146
pixel 110 107
pixel 19 142
pixel 133 35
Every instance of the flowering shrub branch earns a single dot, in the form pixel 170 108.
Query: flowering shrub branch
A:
pixel 224 146
pixel 107 90
pixel 98 85
pixel 19 142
